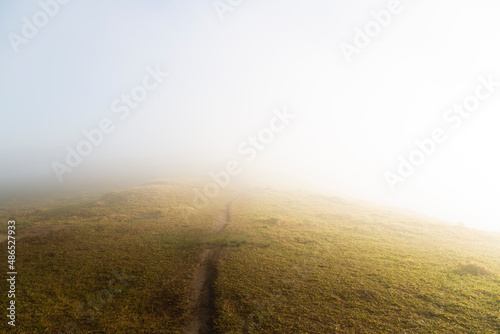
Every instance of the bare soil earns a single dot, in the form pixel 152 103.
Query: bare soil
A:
pixel 202 306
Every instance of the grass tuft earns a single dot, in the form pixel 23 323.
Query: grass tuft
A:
pixel 472 268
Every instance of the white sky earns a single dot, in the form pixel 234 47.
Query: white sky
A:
pixel 353 119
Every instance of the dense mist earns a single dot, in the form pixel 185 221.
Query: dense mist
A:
pixel 394 102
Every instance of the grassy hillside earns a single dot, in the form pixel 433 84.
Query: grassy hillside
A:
pixel 125 262
pixel 314 264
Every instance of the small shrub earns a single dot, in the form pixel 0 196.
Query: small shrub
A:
pixel 472 268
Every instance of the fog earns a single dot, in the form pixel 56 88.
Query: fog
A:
pixel 404 114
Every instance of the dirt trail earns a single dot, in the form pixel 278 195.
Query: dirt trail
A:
pixel 202 304
pixel 225 217
pixel 202 292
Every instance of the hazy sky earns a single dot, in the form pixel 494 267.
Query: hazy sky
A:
pixel 231 64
